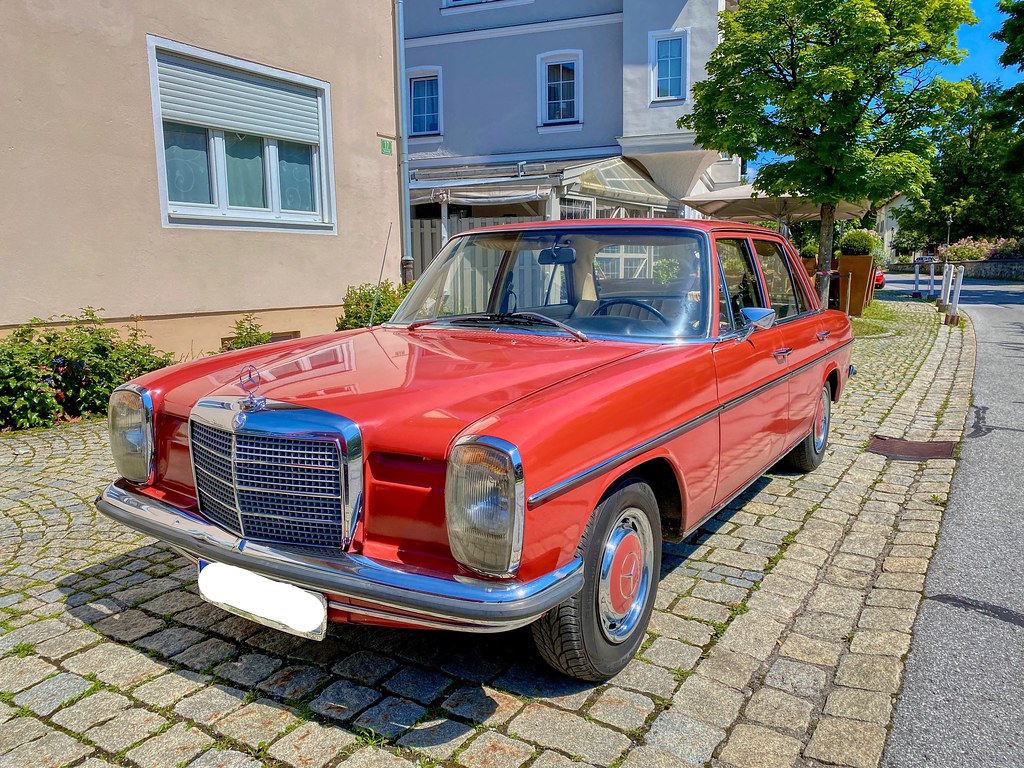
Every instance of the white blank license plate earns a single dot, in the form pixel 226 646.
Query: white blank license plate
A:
pixel 273 603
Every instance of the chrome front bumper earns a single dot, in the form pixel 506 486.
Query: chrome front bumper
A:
pixel 397 592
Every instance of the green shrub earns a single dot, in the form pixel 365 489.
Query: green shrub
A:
pixel 358 304
pixel 666 270
pixel 969 249
pixel 52 373
pixel 860 242
pixel 27 397
pixel 809 251
pixel 248 333
pixel 1008 249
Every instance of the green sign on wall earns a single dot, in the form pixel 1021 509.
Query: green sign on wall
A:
pixel 387 146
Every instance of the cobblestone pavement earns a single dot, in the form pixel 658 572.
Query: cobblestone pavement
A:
pixel 779 637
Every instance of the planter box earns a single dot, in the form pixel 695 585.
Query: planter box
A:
pixel 862 272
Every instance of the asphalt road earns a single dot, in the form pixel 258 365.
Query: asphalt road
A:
pixel 962 702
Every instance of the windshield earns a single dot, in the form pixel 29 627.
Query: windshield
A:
pixel 602 281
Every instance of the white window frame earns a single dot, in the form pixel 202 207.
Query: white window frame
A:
pixel 423 73
pixel 653 38
pixel 218 214
pixel 574 198
pixel 559 57
pixel 450 7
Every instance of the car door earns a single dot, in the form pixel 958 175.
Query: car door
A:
pixel 753 391
pixel 799 328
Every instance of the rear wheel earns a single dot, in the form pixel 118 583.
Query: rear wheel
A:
pixel 595 633
pixel 808 454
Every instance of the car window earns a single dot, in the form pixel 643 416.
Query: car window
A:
pixel 778 280
pixel 533 285
pixel 642 282
pixel 740 281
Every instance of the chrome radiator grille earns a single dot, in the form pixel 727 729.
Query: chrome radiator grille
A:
pixel 269 488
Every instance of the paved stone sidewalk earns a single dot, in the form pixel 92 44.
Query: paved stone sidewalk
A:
pixel 778 640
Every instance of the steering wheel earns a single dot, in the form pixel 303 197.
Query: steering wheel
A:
pixel 634 303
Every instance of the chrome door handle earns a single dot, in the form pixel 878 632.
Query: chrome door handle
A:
pixel 822 335
pixel 782 354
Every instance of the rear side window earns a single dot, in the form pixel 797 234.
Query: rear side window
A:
pixel 739 283
pixel 778 280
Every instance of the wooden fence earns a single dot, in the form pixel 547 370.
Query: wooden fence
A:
pixel 426 235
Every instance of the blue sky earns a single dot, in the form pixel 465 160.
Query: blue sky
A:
pixel 982 51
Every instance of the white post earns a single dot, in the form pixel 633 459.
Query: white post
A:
pixel 952 315
pixel 917 281
pixel 931 280
pixel 947 275
pixel 444 220
pixel 552 208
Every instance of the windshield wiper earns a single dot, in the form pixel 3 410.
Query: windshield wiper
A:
pixel 507 318
pixel 545 320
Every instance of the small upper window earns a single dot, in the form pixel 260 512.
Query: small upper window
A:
pixel 668 65
pixel 559 88
pixel 778 280
pixel 425 105
pixel 240 145
pixel 739 281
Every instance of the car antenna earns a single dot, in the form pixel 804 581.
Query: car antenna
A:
pixel 380 277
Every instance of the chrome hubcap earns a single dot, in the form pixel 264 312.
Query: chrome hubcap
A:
pixel 821 418
pixel 625 577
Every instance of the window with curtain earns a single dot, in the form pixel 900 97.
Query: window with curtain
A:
pixel 561 86
pixel 240 146
pixel 424 99
pixel 559 91
pixel 668 65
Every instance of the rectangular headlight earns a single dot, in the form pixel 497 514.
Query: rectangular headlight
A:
pixel 484 509
pixel 130 418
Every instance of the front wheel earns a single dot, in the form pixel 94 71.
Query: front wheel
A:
pixel 595 633
pixel 807 456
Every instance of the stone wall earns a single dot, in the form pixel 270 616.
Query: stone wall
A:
pixel 998 269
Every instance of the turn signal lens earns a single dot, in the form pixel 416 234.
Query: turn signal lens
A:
pixel 130 418
pixel 483 498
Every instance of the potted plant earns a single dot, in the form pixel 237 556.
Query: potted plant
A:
pixel 856 261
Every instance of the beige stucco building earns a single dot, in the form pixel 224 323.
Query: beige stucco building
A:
pixel 190 162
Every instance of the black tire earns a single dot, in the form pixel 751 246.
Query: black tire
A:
pixel 581 637
pixel 807 456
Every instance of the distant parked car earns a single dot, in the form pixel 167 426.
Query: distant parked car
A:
pixel 923 260
pixel 547 404
pixel 879 277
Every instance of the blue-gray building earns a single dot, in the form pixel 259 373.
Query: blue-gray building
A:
pixel 556 109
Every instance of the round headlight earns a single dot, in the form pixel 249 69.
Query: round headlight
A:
pixel 484 510
pixel 130 417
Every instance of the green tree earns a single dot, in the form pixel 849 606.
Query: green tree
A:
pixel 970 184
pixel 839 92
pixel 1012 34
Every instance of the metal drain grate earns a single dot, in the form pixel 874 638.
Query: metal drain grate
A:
pixel 911 450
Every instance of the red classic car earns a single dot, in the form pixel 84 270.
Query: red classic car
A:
pixel 548 404
pixel 879 277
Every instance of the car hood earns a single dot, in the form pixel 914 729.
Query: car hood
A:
pixel 409 392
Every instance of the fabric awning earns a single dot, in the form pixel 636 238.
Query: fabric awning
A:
pixel 611 178
pixel 480 191
pixel 744 203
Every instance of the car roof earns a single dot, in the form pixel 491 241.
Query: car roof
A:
pixel 705 225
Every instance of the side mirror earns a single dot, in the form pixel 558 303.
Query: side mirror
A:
pixel 756 319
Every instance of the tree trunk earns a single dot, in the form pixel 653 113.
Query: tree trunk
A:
pixel 828 225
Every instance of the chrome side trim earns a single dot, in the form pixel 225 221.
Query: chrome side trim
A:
pixel 618 460
pixel 398 590
pixel 564 486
